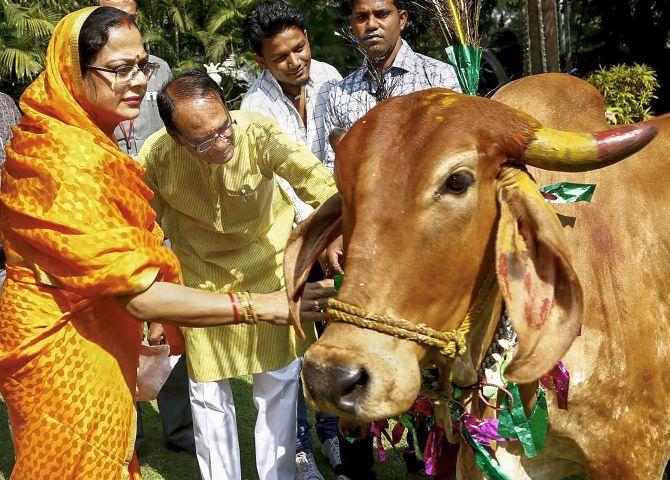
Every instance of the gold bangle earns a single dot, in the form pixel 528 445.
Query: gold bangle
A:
pixel 248 311
pixel 252 309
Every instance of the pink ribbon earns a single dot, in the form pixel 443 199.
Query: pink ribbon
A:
pixel 483 431
pixel 558 380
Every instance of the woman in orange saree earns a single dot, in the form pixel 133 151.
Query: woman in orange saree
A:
pixel 78 230
pixel 85 263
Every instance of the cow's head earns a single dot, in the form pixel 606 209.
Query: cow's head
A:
pixel 433 199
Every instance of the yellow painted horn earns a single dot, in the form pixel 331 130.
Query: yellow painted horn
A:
pixel 579 152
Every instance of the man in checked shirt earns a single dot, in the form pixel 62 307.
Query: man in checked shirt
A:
pixel 293 90
pixel 376 26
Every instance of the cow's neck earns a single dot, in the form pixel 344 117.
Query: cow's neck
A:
pixel 465 368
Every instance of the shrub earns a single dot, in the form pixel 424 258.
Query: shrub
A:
pixel 628 91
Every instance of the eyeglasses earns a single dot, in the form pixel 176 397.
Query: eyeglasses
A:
pixel 224 132
pixel 127 73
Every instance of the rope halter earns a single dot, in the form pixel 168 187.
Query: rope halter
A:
pixel 450 343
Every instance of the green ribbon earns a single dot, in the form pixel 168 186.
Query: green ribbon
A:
pixel 466 60
pixel 408 422
pixel 566 192
pixel 338 281
pixel 487 464
pixel 513 423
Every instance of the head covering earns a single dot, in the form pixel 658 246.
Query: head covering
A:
pixel 73 207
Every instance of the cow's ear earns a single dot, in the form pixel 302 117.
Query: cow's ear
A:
pixel 304 247
pixel 540 288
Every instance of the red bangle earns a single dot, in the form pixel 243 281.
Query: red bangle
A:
pixel 236 311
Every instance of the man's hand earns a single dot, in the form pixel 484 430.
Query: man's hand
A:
pixel 156 334
pixel 333 258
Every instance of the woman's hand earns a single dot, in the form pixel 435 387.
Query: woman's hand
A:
pixel 273 307
pixel 176 305
pixel 315 300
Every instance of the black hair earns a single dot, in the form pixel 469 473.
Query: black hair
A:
pixel 95 32
pixel 268 19
pixel 191 84
pixel 398 4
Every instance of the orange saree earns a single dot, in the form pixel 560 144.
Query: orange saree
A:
pixel 78 231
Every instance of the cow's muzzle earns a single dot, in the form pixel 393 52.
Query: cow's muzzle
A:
pixel 362 373
pixel 340 386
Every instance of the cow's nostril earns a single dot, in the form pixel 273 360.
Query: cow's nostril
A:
pixel 351 383
pixel 361 381
pixel 341 386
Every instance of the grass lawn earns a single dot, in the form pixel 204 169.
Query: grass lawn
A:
pixel 158 463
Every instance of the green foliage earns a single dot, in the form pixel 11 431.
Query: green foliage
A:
pixel 25 29
pixel 628 91
pixel 191 33
pixel 185 33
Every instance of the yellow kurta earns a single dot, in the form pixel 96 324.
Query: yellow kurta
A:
pixel 228 225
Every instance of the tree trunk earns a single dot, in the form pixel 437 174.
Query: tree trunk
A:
pixel 542 37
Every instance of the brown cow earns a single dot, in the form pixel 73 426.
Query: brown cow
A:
pixel 435 199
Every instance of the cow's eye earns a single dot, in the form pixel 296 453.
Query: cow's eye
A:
pixel 457 183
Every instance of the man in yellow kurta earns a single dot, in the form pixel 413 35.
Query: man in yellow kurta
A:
pixel 213 173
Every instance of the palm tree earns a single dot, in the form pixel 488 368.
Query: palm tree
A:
pixel 169 28
pixel 25 29
pixel 222 35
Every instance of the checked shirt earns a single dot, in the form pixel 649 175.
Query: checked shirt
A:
pixel 267 98
pixel 410 72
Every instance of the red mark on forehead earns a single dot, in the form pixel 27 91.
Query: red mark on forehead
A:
pixel 527 283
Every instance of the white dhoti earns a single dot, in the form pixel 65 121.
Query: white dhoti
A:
pixel 275 395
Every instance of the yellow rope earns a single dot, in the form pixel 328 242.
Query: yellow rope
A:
pixel 451 343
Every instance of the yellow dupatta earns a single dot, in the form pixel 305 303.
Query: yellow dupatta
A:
pixel 73 206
